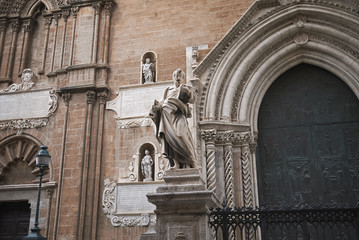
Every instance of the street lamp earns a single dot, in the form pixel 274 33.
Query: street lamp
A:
pixel 42 162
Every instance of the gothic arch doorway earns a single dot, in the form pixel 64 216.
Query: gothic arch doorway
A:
pixel 308 128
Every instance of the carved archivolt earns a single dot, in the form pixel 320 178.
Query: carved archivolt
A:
pixel 269 39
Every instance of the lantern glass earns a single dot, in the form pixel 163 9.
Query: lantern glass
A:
pixel 43 157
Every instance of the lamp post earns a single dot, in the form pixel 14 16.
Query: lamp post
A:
pixel 42 162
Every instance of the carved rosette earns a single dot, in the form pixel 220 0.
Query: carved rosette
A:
pixel 209 136
pixel 109 197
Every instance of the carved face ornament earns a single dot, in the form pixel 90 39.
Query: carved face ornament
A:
pixel 26 75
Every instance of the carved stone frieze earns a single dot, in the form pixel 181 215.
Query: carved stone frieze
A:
pixel 131 221
pixel 18 125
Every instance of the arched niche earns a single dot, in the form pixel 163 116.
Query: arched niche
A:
pixel 148 65
pixel 146 147
pixel 135 174
pixel 35 35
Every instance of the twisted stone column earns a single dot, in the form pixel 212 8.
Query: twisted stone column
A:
pixel 228 169
pixel 209 136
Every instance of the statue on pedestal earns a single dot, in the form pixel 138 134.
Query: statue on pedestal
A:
pixel 170 116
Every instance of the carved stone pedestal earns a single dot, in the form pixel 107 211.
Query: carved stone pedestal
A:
pixel 182 205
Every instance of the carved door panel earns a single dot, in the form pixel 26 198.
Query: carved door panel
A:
pixel 14 220
pixel 308 139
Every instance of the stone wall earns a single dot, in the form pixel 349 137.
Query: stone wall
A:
pixel 86 51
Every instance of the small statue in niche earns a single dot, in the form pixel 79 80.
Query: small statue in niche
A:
pixel 148 71
pixel 170 117
pixel 146 167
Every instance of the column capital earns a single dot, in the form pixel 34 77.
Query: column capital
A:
pixel 97 8
pixel 103 97
pixel 209 135
pixel 74 11
pixel 66 97
pixel 108 8
pixel 91 97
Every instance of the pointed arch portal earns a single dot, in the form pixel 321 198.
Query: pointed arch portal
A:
pixel 273 40
pixel 308 137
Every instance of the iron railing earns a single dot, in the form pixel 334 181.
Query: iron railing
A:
pixel 304 222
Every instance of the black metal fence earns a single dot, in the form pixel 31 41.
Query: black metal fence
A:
pixel 319 222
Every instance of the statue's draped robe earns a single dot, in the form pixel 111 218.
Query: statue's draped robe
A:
pixel 148 72
pixel 173 126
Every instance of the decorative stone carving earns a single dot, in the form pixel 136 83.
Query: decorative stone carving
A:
pixel 148 71
pixel 52 102
pixel 131 172
pixel 128 124
pixel 109 197
pixel 176 139
pixel 91 97
pixel 161 171
pixel 131 221
pixel 26 82
pixel 146 166
pixel 18 125
pixel 66 97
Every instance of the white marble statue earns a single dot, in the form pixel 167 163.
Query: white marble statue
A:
pixel 170 116
pixel 148 71
pixel 146 166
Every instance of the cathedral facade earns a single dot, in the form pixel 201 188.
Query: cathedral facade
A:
pixel 275 117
